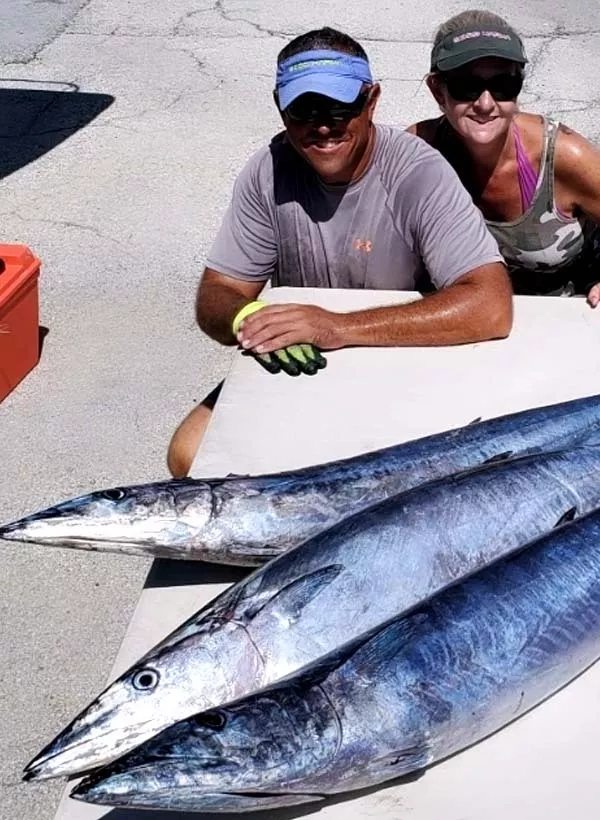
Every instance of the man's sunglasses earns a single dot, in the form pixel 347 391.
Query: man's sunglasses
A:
pixel 468 87
pixel 310 108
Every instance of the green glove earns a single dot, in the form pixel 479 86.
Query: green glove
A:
pixel 293 360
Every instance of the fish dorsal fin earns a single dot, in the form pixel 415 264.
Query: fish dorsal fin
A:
pixel 499 457
pixel 570 515
pixel 475 421
pixel 290 600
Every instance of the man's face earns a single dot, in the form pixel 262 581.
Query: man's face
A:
pixel 335 138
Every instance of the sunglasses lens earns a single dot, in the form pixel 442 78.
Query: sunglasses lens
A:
pixel 307 109
pixel 464 89
pixel 468 88
pixel 505 87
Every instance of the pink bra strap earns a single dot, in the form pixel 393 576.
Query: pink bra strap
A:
pixel 525 171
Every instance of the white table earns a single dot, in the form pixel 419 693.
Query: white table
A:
pixel 544 766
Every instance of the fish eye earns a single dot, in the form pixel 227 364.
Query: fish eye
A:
pixel 211 720
pixel 145 680
pixel 113 495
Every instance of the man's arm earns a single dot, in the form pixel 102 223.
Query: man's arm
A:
pixel 476 307
pixel 218 300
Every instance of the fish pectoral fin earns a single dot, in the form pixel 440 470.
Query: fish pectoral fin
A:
pixel 570 515
pixel 499 457
pixel 387 640
pixel 291 599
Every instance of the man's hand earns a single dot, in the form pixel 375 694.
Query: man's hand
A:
pixel 282 337
pixel 277 326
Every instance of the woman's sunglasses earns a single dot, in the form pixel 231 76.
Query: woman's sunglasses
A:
pixel 468 87
pixel 310 108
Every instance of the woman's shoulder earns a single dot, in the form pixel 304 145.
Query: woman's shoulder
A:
pixel 572 147
pixel 576 159
pixel 426 129
pixel 532 131
pixel 569 144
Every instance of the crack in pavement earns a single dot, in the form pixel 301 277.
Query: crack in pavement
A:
pixel 540 55
pixel 559 33
pixel 222 12
pixel 176 30
pixel 62 29
pixel 575 102
pixel 58 223
pixel 199 63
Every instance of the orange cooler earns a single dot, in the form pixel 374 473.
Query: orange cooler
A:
pixel 19 315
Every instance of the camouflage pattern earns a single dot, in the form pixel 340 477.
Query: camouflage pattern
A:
pixel 545 252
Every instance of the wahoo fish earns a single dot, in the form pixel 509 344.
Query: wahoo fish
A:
pixel 426 685
pixel 249 520
pixel 329 590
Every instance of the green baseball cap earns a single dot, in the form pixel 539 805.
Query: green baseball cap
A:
pixel 462 47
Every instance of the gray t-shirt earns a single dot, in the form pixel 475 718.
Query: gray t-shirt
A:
pixel 407 214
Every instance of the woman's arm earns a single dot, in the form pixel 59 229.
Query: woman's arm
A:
pixel 577 172
pixel 577 182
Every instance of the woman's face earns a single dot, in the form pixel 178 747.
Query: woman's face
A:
pixel 480 98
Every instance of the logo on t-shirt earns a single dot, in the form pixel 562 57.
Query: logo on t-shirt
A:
pixel 363 245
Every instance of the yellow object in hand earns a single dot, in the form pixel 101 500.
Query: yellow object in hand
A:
pixel 293 360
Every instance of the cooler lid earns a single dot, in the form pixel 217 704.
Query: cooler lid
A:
pixel 17 266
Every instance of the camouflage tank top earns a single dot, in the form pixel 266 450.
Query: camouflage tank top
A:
pixel 545 251
pixel 542 245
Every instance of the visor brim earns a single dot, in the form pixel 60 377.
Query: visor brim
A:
pixel 342 89
pixel 453 61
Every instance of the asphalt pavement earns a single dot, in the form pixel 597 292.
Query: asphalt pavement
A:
pixel 122 127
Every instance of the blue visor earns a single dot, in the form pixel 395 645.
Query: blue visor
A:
pixel 331 73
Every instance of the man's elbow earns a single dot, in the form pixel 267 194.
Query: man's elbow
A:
pixel 492 302
pixel 217 329
pixel 503 321
pixel 496 320
pixel 203 317
pixel 204 320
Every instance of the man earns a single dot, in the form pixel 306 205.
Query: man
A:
pixel 336 201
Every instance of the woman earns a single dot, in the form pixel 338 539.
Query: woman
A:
pixel 536 181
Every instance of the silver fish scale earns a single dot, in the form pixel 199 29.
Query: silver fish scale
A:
pixel 474 658
pixel 429 684
pixel 426 685
pixel 285 712
pixel 329 590
pixel 248 520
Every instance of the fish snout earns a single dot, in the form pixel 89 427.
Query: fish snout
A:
pixel 94 738
pixel 12 532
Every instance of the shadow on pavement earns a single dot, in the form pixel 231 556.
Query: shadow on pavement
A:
pixel 36 117
pixel 42 333
pixel 167 573
pixel 271 814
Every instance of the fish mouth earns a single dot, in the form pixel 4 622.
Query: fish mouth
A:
pixel 90 790
pixel 16 532
pixel 49 763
